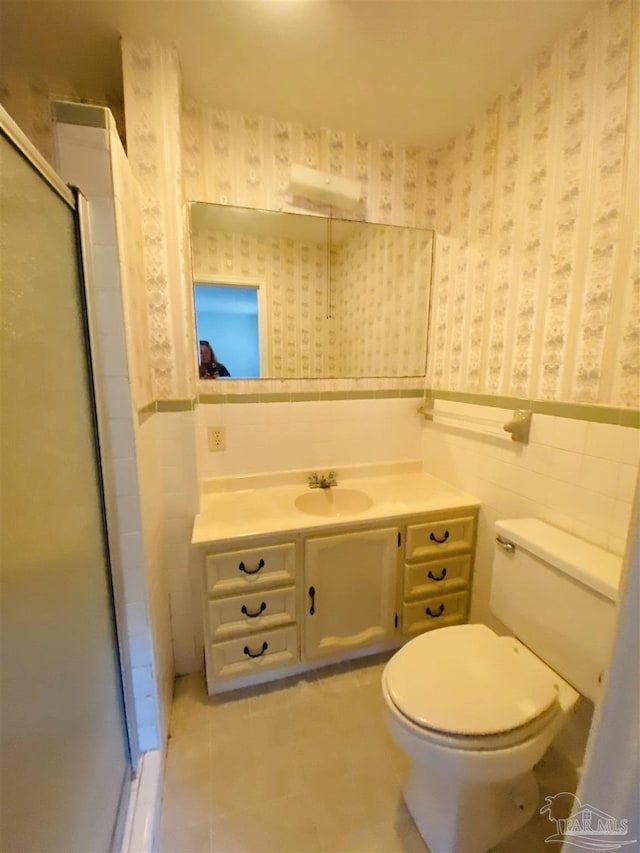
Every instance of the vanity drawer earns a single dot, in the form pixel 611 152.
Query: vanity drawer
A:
pixel 256 611
pixel 235 571
pixel 436 576
pixel 252 654
pixel 434 612
pixel 434 538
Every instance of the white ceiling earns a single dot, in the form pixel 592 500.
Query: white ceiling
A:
pixel 408 71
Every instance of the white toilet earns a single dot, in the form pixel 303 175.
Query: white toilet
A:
pixel 475 711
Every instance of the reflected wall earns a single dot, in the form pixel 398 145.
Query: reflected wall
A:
pixel 342 299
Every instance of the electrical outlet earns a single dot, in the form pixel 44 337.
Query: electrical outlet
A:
pixel 217 439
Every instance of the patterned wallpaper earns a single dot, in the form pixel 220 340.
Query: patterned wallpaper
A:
pixel 28 102
pixel 537 285
pixel 379 298
pixel 380 287
pixel 537 262
pixel 224 157
pixel 230 158
pixel 233 159
pixel 295 276
pixel 151 77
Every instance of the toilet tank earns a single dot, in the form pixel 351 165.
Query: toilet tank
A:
pixel 558 595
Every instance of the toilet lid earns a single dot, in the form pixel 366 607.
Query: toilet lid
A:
pixel 466 680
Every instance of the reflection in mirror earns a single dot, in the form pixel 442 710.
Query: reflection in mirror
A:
pixel 229 315
pixel 332 298
pixel 210 366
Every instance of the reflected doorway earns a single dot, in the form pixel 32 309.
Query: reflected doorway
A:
pixel 230 316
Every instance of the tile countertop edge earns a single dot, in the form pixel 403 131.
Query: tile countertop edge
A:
pixel 435 496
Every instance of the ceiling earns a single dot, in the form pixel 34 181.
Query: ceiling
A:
pixel 407 71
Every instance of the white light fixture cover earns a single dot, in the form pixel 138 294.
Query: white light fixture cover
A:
pixel 324 188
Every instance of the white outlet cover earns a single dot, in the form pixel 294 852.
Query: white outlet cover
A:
pixel 216 439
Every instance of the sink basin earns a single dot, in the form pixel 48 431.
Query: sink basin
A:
pixel 333 502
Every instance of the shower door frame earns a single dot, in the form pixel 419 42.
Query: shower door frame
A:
pixel 74 199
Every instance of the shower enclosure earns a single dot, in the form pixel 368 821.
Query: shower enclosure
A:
pixel 65 758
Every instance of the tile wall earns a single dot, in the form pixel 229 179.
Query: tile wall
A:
pixel 85 155
pixel 153 681
pixel 260 437
pixel 263 437
pixel 128 211
pixel 577 475
pixel 157 682
pixel 179 487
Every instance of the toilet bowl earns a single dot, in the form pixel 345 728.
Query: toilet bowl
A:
pixel 475 701
pixel 475 711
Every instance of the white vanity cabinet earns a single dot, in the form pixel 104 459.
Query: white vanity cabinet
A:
pixel 307 593
pixel 250 610
pixel 349 590
pixel 438 557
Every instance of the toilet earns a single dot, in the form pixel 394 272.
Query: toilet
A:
pixel 475 711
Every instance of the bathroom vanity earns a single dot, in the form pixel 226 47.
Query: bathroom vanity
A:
pixel 293 578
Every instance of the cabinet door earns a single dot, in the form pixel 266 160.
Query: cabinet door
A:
pixel 350 587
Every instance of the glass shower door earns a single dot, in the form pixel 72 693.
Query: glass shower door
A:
pixel 64 753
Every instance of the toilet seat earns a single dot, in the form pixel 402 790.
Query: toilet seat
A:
pixel 466 687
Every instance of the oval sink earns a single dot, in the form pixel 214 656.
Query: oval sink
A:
pixel 333 502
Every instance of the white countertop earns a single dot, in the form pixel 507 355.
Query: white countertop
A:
pixel 248 512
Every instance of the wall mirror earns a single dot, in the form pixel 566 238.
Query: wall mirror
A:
pixel 288 295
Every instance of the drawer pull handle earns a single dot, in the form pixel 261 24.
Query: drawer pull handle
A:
pixel 258 612
pixel 255 571
pixel 312 596
pixel 434 538
pixel 259 654
pixel 435 615
pixel 432 577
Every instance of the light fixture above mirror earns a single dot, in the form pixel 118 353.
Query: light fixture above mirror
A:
pixel 325 298
pixel 324 187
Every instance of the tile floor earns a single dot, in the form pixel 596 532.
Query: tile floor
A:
pixel 303 764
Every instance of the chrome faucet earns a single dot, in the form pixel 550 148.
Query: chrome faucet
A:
pixel 322 482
